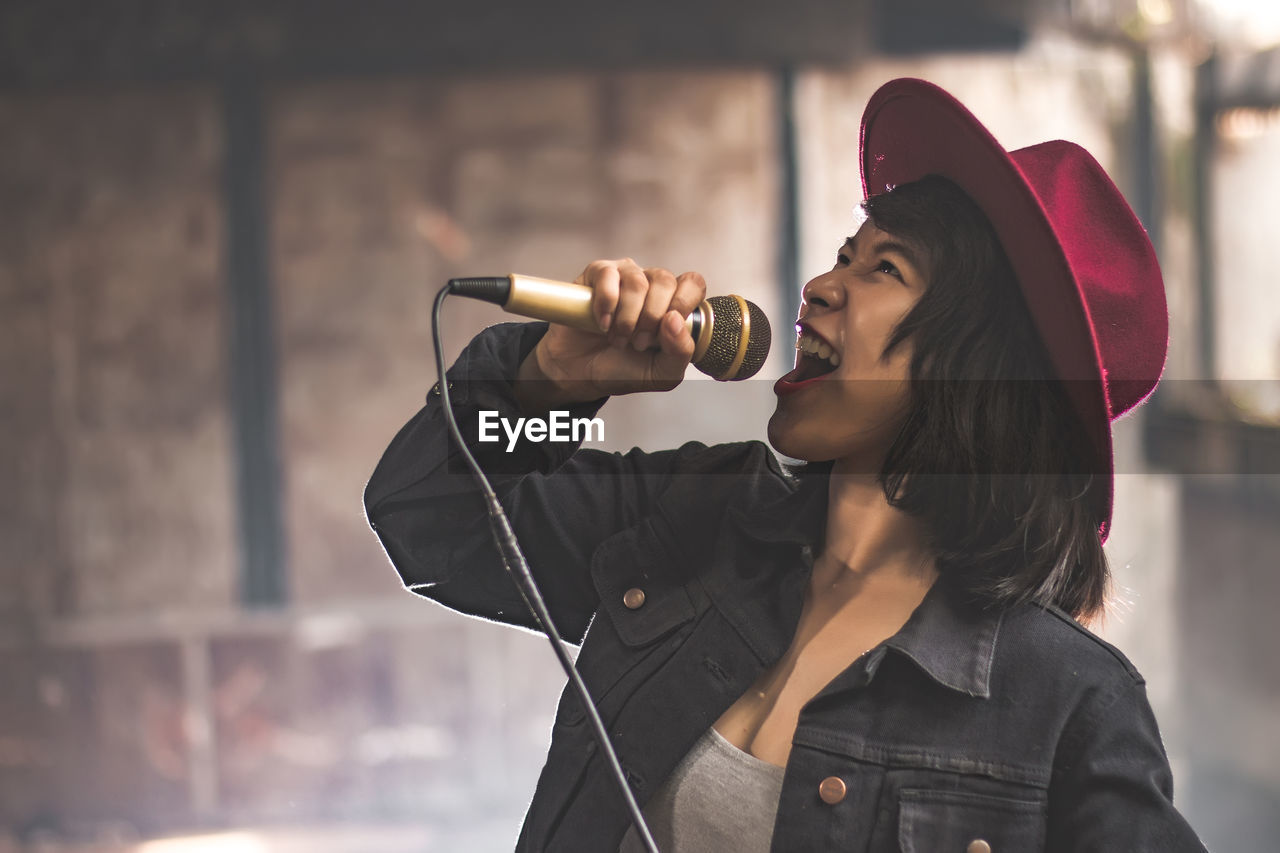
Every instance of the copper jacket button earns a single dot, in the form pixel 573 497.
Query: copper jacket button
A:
pixel 633 598
pixel 832 790
pixel 977 845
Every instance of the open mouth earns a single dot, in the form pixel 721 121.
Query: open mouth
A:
pixel 817 359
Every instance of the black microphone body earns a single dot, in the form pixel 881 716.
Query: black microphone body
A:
pixel 731 335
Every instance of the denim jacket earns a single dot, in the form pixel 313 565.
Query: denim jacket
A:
pixel 968 730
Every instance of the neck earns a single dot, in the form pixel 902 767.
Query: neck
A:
pixel 869 538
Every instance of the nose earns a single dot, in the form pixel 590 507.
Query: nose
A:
pixel 824 291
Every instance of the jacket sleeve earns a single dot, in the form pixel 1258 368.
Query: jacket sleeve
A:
pixel 1112 789
pixel 562 500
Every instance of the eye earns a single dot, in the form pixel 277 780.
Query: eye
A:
pixel 886 266
pixel 841 259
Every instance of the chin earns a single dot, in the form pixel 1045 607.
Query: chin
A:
pixel 794 441
pixel 814 440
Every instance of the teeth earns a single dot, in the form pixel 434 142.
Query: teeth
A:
pixel 812 345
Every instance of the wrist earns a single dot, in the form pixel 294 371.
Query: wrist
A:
pixel 537 390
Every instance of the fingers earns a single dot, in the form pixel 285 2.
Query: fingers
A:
pixel 657 302
pixel 632 292
pixel 604 280
pixel 646 346
pixel 630 302
pixel 691 291
pixel 675 343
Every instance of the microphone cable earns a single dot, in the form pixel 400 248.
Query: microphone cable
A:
pixel 516 566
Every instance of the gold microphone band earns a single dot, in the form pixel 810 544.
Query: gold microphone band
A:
pixel 743 338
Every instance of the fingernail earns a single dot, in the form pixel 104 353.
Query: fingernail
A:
pixel 606 320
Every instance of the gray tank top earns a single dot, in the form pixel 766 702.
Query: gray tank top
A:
pixel 718 798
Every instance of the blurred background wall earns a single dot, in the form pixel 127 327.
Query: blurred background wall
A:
pixel 223 224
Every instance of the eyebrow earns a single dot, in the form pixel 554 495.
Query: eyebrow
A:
pixel 883 246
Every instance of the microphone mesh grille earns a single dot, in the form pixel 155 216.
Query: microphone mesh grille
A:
pixel 726 334
pixel 757 344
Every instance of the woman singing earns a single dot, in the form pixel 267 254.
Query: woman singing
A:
pixel 879 650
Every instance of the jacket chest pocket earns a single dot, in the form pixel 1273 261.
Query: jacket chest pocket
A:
pixel 642 603
pixel 963 822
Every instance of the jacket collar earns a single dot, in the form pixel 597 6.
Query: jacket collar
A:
pixel 951 640
pixel 798 514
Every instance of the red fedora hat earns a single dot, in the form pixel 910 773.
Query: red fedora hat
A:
pixel 1085 264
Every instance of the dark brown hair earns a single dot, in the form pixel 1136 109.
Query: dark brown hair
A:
pixel 990 455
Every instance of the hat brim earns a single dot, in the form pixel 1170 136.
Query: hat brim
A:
pixel 912 128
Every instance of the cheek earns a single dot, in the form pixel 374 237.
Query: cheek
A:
pixel 870 327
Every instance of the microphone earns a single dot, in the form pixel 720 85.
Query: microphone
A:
pixel 731 335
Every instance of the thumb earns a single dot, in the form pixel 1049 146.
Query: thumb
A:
pixel 675 347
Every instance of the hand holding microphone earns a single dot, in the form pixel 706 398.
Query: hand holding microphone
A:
pixel 605 324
